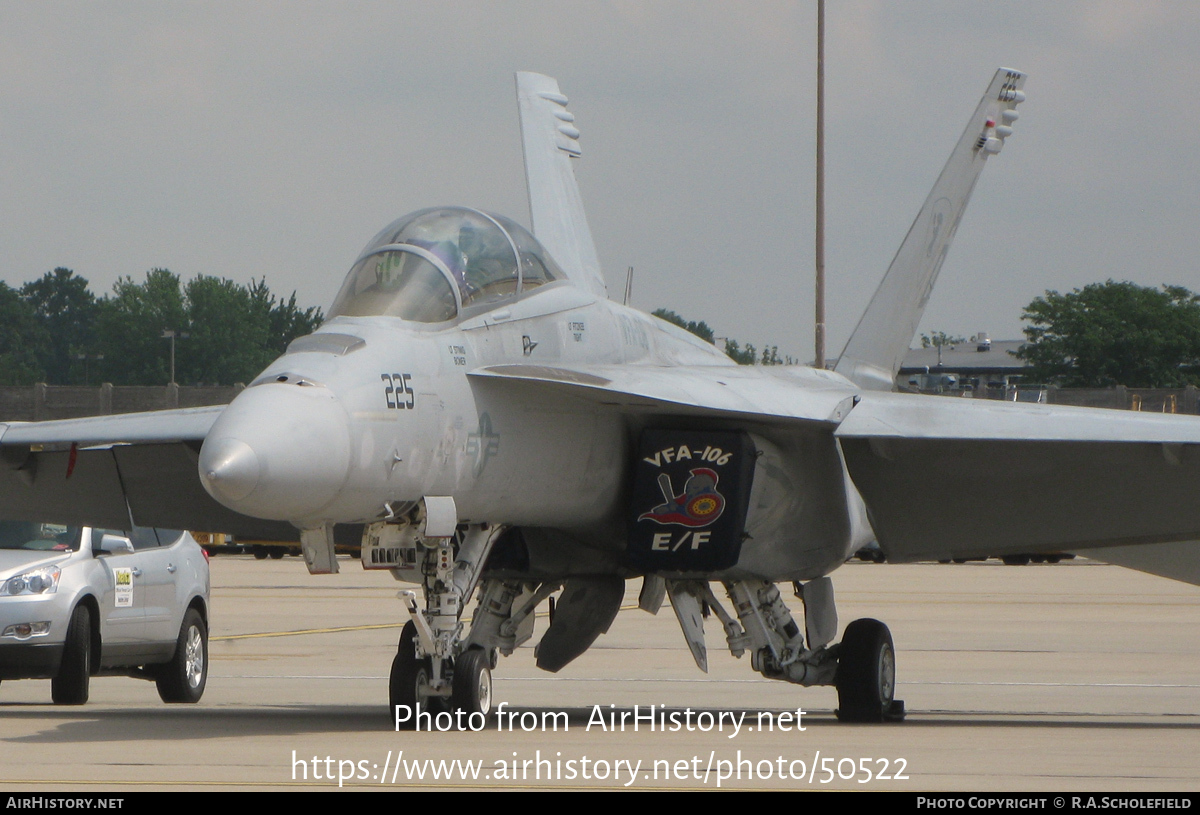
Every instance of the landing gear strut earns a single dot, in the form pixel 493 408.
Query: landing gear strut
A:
pixel 862 666
pixel 410 682
pixel 437 668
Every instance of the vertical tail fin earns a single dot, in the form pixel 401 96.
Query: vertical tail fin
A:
pixel 550 140
pixel 875 350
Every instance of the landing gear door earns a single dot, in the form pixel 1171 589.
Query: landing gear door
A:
pixel 691 491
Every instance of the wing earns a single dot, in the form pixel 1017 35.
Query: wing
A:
pixel 873 354
pixel 945 478
pixel 550 140
pixel 1178 561
pixel 112 471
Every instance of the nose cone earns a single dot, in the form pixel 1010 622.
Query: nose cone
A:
pixel 279 451
pixel 230 469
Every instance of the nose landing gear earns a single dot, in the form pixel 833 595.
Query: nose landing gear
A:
pixel 437 669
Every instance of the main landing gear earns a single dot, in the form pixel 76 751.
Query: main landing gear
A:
pixel 862 666
pixel 866 674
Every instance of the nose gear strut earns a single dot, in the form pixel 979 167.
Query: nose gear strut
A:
pixel 437 668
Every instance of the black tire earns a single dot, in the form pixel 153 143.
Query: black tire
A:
pixel 182 680
pixel 278 553
pixel 70 686
pixel 260 552
pixel 410 679
pixel 472 691
pixel 866 673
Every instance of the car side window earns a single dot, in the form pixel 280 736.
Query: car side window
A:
pixel 143 537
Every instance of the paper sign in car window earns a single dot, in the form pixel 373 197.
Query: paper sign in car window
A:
pixel 124 596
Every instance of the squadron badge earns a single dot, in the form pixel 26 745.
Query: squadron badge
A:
pixel 690 494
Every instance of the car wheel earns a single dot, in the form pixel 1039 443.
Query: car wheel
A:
pixel 473 682
pixel 410 680
pixel 866 672
pixel 70 685
pixel 183 678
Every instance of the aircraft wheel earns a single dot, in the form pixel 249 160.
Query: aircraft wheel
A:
pixel 866 673
pixel 473 682
pixel 182 679
pixel 411 679
pixel 70 686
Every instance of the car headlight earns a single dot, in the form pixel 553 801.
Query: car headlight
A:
pixel 35 581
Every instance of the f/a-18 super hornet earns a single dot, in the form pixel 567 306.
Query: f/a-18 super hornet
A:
pixel 489 425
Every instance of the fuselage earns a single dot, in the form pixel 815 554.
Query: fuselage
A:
pixel 376 411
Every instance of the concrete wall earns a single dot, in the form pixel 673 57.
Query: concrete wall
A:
pixel 40 402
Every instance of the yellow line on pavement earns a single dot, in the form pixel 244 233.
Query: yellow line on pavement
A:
pixel 336 630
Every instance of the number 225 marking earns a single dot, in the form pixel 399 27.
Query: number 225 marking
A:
pixel 398 384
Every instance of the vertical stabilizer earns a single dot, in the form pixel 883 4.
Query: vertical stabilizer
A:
pixel 550 140
pixel 876 349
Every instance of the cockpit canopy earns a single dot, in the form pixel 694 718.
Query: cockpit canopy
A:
pixel 432 265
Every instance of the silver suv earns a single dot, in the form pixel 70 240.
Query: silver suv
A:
pixel 77 602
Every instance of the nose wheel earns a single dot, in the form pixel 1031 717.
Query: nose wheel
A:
pixel 473 682
pixel 411 680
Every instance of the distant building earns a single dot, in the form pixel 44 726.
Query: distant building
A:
pixel 980 365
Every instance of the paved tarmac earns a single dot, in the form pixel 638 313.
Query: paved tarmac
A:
pixel 1077 676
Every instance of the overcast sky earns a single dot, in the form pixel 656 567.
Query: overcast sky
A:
pixel 249 139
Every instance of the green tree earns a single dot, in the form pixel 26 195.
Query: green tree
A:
pixel 232 331
pixel 1114 334
pixel 285 319
pixel 770 356
pixel 742 356
pixel 67 310
pixel 130 325
pixel 700 329
pixel 940 339
pixel 23 340
pixel 229 334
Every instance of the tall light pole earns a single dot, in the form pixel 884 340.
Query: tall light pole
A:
pixel 819 356
pixel 171 334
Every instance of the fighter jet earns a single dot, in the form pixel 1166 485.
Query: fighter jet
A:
pixel 491 427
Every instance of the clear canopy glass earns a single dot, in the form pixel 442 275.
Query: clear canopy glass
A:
pixel 429 266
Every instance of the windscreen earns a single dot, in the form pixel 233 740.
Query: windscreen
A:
pixel 38 536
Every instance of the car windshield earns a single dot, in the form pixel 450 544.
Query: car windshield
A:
pixel 38 536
